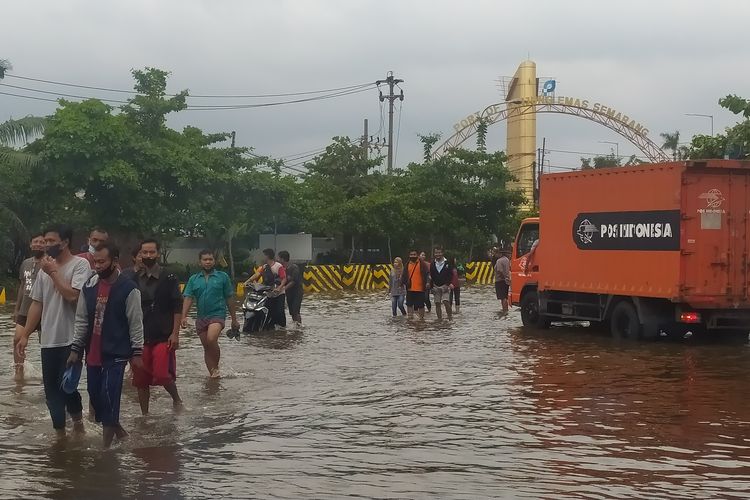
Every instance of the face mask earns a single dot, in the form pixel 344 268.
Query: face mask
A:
pixel 106 273
pixel 148 261
pixel 37 254
pixel 413 259
pixel 54 251
pixel 92 249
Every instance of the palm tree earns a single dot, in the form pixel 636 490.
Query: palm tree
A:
pixel 19 131
pixel 4 66
pixel 671 142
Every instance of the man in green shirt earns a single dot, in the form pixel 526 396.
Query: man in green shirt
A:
pixel 213 294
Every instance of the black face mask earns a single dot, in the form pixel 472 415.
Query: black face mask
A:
pixel 148 261
pixel 106 273
pixel 54 251
pixel 37 254
pixel 413 259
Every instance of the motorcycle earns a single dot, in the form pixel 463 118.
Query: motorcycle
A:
pixel 257 317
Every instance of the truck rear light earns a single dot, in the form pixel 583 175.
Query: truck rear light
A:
pixel 690 317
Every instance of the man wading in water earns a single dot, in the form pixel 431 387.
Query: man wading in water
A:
pixel 27 276
pixel 441 279
pixel 162 314
pixel 212 290
pixel 274 275
pixel 54 295
pixel 109 327
pixel 416 278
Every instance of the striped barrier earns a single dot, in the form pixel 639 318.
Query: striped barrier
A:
pixel 480 273
pixel 357 277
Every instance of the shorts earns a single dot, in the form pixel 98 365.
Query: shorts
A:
pixel 415 299
pixel 160 366
pixel 441 293
pixel 501 290
pixel 201 324
pixel 105 390
pixel 21 320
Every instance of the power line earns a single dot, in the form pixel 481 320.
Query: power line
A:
pixel 28 97
pixel 217 96
pixel 190 107
pixel 269 104
pixel 61 94
pixel 585 153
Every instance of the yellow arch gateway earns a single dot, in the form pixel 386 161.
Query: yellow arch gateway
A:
pixel 522 104
pixel 627 127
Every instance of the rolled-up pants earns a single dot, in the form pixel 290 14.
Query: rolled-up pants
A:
pixel 54 360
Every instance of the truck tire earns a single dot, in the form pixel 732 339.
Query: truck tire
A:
pixel 624 322
pixel 530 315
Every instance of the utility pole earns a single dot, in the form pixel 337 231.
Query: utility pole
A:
pixel 234 134
pixel 365 141
pixel 392 82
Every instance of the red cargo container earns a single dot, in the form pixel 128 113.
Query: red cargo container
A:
pixel 644 248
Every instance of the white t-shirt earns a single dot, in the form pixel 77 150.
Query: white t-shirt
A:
pixel 58 314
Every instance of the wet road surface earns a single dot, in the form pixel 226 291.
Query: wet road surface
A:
pixel 360 404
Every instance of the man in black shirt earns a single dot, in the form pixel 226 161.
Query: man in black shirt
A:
pixel 293 287
pixel 162 314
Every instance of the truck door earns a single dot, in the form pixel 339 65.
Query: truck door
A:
pixel 527 236
pixel 715 239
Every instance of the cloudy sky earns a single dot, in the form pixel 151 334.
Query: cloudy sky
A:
pixel 653 60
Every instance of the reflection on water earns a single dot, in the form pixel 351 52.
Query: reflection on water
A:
pixel 360 403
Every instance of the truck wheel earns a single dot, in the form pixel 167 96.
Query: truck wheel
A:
pixel 530 315
pixel 624 322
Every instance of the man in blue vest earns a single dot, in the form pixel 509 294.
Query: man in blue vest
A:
pixel 109 328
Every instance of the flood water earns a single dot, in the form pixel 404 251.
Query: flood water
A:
pixel 359 404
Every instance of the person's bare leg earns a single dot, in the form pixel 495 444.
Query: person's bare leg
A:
pixel 171 388
pixel 438 310
pixel 448 309
pixel 144 397
pixel 120 432
pixel 505 305
pixel 17 361
pixel 108 434
pixel 410 311
pixel 420 313
pixel 211 351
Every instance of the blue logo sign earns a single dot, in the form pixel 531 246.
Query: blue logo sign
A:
pixel 549 87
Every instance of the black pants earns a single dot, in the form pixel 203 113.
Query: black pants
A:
pixel 455 297
pixel 294 301
pixel 53 367
pixel 277 311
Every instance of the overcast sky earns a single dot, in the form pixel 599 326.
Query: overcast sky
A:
pixel 653 60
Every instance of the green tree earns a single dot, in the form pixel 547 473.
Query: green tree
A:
pixel 606 161
pixel 671 142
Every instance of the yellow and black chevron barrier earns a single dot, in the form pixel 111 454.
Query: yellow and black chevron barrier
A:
pixel 375 276
pixel 366 277
pixel 479 273
pixel 320 278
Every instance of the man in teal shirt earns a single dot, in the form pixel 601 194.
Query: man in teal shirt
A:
pixel 212 291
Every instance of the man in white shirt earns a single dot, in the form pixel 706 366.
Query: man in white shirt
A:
pixel 54 297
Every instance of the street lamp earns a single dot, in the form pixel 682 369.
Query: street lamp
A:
pixel 704 116
pixel 617 147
